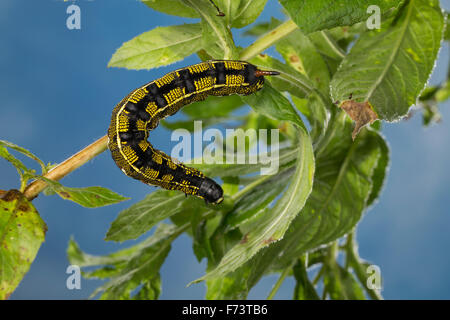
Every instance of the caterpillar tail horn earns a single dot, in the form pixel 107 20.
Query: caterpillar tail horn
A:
pixel 262 73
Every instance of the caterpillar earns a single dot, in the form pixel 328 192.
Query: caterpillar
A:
pixel 142 109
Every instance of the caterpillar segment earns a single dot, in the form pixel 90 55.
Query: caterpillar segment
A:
pixel 144 107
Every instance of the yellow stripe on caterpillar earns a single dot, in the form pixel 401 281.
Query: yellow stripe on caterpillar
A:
pixel 168 78
pixel 151 108
pixel 233 65
pixel 138 95
pixel 174 95
pixel 234 80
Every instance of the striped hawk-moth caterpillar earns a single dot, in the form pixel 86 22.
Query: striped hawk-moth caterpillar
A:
pixel 142 109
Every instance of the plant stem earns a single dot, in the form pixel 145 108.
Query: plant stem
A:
pixel 318 276
pixel 66 167
pixel 181 229
pixel 332 253
pixel 268 39
pixel 354 262
pixel 324 294
pixel 278 283
pixel 332 44
pixel 23 183
pixel 249 187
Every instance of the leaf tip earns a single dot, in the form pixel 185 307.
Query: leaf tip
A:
pixel 194 282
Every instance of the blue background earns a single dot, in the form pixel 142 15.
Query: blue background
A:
pixel 57 95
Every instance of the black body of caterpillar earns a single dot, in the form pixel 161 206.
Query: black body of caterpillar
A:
pixel 145 106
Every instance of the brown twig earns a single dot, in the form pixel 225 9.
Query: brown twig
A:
pixel 67 166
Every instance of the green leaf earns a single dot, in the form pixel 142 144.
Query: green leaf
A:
pixel 342 185
pixel 443 94
pixel 359 266
pixel 89 197
pixel 244 13
pixel 401 57
pixel 25 152
pixel 201 238
pixel 142 216
pixel 213 111
pixel 77 257
pixel 289 80
pixel 189 125
pixel 230 185
pixel 139 270
pixel 315 111
pixel 229 9
pixel 221 241
pixel 259 198
pixel 101 273
pixel 229 287
pixel 327 43
pixel 273 104
pixel 261 28
pixel 286 157
pixel 341 284
pixel 380 172
pixel 158 47
pixel 217 38
pixel 4 153
pixel 300 53
pixel 173 7
pixel 22 232
pixel 24 173
pixel 447 28
pixel 317 15
pixel 431 114
pixel 130 268
pixel 258 121
pixel 304 289
pixel 150 290
pixel 273 223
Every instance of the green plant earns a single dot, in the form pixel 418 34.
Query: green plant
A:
pixel 302 217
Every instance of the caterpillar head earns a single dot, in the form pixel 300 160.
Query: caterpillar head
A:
pixel 210 191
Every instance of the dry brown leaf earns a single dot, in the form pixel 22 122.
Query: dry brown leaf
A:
pixel 361 113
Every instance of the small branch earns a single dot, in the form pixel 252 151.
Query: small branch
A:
pixel 354 261
pixel 332 44
pixel 267 40
pixel 318 275
pixel 66 167
pixel 23 182
pixel 324 293
pixel 278 283
pixel 250 187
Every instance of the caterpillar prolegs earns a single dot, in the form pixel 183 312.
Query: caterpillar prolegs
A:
pixel 144 107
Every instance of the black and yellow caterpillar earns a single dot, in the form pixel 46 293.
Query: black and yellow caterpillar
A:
pixel 145 106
